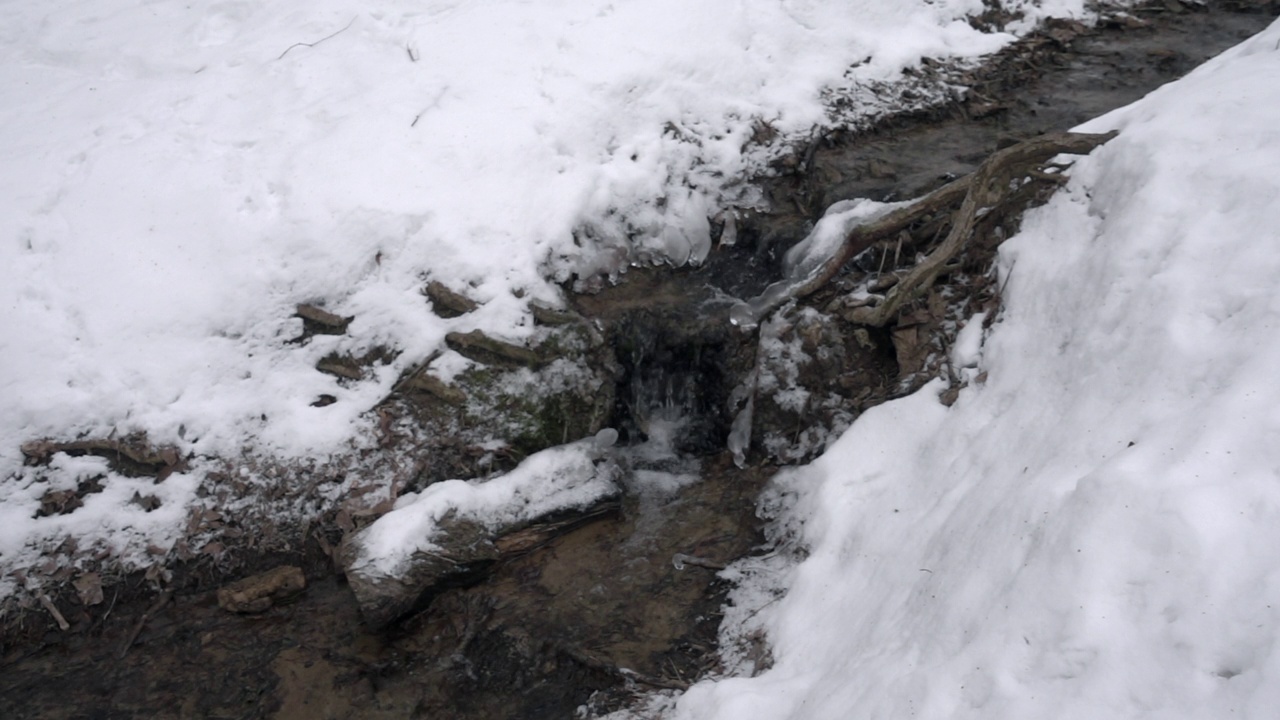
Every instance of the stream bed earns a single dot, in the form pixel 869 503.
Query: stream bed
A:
pixel 629 602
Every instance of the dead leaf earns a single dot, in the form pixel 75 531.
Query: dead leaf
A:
pixel 343 520
pixel 89 587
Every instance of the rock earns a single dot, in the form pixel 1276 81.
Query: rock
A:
pixel 454 531
pixel 354 367
pixel 431 384
pixel 815 374
pixel 547 315
pixel 880 170
pixel 465 550
pixel 340 366
pixel 446 302
pixel 482 348
pixel 319 321
pixel 257 593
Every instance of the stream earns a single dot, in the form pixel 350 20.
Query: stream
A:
pixel 578 626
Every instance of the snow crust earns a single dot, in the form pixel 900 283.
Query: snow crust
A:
pixel 176 177
pixel 1095 531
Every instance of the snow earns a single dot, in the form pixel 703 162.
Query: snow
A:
pixel 1093 530
pixel 177 177
pixel 967 351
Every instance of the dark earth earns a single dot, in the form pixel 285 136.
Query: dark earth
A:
pixel 599 614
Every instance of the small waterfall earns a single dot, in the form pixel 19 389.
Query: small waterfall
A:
pixel 670 400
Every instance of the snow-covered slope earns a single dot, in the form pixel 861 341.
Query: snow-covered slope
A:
pixel 1094 532
pixel 175 177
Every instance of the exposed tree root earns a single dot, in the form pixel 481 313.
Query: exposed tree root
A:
pixel 993 182
pixel 135 449
pixel 998 179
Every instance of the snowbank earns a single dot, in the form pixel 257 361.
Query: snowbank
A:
pixel 1095 531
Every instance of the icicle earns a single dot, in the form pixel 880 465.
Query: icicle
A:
pixel 740 432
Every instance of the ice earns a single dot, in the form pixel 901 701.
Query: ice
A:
pixel 829 234
pixel 739 440
pixel 806 258
pixel 1093 531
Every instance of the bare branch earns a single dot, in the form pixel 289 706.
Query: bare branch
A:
pixel 986 187
pixel 327 37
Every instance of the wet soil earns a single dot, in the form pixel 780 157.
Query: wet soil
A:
pixel 586 619
pixel 602 612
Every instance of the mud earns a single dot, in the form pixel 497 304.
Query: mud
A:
pixel 596 615
pixel 548 632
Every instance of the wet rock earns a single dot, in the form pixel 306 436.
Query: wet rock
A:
pixel 449 538
pixel 465 550
pixel 257 593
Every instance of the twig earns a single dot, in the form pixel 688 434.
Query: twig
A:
pixel 1005 284
pixel 313 44
pixel 156 607
pixel 103 620
pixel 477 610
pixel 53 610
